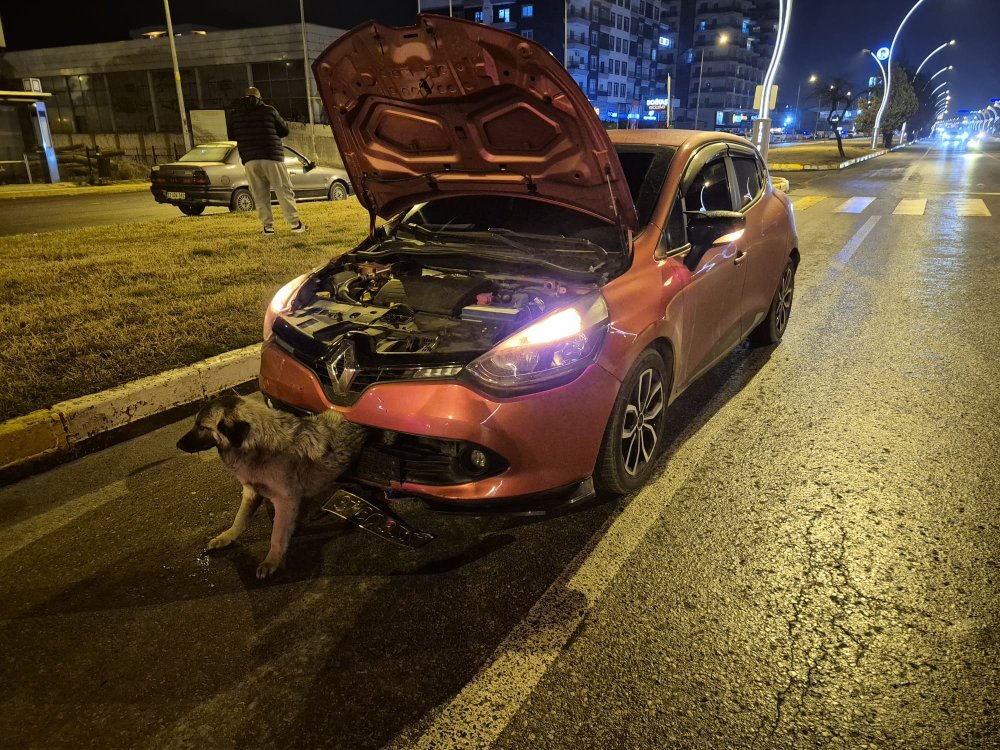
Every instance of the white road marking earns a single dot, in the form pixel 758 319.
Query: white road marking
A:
pixel 972 207
pixel 911 207
pixel 854 243
pixel 854 205
pixel 27 532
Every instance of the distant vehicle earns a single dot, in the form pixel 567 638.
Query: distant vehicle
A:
pixel 954 138
pixel 213 175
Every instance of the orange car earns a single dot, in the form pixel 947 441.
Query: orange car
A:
pixel 541 290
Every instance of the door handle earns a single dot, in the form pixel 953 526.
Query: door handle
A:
pixel 740 257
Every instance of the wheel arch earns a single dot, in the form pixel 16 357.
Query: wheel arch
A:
pixel 794 255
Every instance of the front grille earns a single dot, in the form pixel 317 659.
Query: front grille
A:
pixel 423 460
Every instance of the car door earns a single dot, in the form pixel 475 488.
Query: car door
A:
pixel 713 297
pixel 307 184
pixel 764 234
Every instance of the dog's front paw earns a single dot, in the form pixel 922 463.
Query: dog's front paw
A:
pixel 222 540
pixel 268 567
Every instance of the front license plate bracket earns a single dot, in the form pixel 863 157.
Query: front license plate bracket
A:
pixel 375 519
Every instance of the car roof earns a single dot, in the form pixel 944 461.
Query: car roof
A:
pixel 673 137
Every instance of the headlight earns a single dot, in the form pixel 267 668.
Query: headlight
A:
pixel 282 301
pixel 550 349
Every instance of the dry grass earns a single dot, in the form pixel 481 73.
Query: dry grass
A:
pixel 89 309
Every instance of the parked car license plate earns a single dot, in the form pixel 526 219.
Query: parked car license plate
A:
pixel 175 196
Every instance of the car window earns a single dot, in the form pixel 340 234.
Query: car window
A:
pixel 748 179
pixel 645 169
pixel 206 153
pixel 709 191
pixel 292 161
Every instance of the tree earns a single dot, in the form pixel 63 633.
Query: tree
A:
pixel 837 99
pixel 902 105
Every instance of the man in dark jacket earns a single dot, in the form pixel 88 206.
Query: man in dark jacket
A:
pixel 258 129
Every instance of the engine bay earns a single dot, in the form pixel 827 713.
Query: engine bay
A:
pixel 406 313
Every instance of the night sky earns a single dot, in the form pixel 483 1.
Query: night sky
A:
pixel 826 36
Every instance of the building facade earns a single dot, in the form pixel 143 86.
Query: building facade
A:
pixel 128 86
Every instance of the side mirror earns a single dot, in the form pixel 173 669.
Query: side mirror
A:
pixel 309 167
pixel 707 228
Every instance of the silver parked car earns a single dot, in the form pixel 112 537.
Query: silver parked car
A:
pixel 213 175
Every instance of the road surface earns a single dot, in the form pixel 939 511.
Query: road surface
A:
pixel 816 565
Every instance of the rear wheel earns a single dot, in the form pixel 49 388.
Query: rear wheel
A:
pixel 191 210
pixel 338 191
pixel 242 200
pixel 633 439
pixel 772 328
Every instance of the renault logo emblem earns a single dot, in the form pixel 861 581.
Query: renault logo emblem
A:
pixel 342 366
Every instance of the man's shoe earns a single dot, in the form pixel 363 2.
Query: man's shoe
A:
pixel 299 228
pixel 268 230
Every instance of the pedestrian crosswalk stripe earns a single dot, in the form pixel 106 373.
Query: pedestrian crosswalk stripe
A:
pixel 911 207
pixel 972 207
pixel 801 204
pixel 854 205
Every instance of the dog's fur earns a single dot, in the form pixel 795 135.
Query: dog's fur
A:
pixel 277 457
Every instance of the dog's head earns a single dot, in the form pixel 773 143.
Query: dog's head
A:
pixel 218 425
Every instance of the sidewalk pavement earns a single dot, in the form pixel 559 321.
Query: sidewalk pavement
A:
pixel 46 190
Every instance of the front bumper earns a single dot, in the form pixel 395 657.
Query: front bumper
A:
pixel 195 195
pixel 549 440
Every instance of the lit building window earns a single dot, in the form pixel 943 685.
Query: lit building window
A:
pixel 503 15
pixel 527 11
pixel 478 16
pixel 664 41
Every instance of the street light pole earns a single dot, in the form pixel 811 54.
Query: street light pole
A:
pixel 177 78
pixel 936 50
pixel 888 77
pixel 308 72
pixel 701 71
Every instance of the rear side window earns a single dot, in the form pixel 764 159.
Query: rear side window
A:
pixel 710 189
pixel 748 178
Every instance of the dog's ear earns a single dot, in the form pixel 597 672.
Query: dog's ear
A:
pixel 235 432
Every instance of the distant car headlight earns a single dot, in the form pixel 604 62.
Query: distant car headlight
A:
pixel 281 302
pixel 552 348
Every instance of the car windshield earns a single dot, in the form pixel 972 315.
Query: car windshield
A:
pixel 506 220
pixel 207 153
pixel 645 169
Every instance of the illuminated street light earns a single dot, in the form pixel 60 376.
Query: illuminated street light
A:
pixel 723 39
pixel 946 67
pixel 888 79
pixel 921 66
pixel 939 87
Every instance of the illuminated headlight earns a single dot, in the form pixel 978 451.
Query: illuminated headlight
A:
pixel 550 349
pixel 281 302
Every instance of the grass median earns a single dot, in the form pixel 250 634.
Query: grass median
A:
pixel 89 309
pixel 822 153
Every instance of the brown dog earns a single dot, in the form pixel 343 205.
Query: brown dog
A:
pixel 277 457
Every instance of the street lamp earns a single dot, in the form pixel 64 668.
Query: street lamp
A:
pixel 946 67
pixel 938 87
pixel 938 49
pixel 723 38
pixel 888 79
pixel 798 93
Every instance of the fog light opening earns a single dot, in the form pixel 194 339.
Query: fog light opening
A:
pixel 476 460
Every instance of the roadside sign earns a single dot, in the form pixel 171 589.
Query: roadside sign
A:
pixel 882 54
pixel 758 95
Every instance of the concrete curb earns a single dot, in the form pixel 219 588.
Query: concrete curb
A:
pixel 794 167
pixel 69 424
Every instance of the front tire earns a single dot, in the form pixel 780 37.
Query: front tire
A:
pixel 772 328
pixel 192 210
pixel 633 439
pixel 242 200
pixel 338 191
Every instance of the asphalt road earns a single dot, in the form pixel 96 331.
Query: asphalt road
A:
pixel 50 214
pixel 816 565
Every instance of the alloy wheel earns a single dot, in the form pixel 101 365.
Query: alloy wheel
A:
pixel 642 423
pixel 784 301
pixel 244 202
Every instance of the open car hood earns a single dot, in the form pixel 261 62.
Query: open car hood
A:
pixel 451 107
